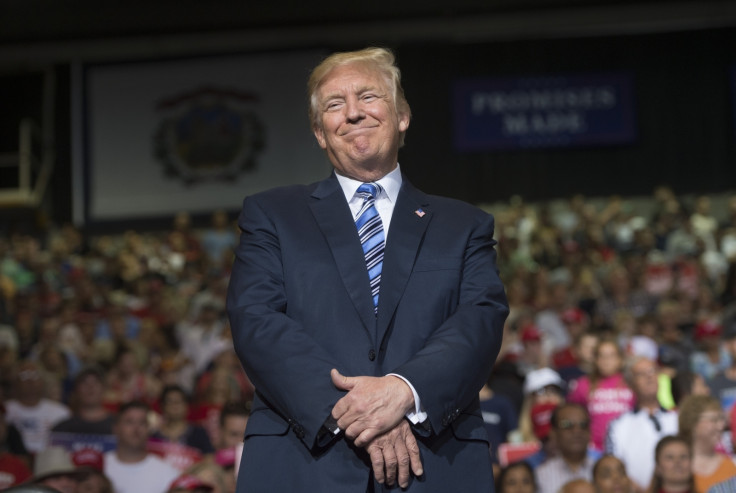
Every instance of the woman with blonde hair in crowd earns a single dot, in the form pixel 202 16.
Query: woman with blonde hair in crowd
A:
pixel 701 422
pixel 604 392
pixel 543 392
pixel 673 466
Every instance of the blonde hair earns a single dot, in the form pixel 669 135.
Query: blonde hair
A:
pixel 380 59
pixel 526 428
pixel 691 409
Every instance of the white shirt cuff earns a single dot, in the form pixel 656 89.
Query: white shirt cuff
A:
pixel 417 415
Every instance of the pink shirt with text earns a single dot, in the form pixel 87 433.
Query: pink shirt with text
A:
pixel 611 398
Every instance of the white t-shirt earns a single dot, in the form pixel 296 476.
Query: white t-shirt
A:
pixel 35 423
pixel 633 436
pixel 151 475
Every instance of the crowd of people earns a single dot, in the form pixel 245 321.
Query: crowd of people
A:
pixel 617 371
pixel 618 353
pixel 117 369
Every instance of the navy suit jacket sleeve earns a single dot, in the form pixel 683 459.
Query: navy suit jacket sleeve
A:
pixel 458 356
pixel 289 369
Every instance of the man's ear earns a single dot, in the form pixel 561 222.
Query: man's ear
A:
pixel 404 120
pixel 319 134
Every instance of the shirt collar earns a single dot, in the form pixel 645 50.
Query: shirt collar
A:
pixel 391 184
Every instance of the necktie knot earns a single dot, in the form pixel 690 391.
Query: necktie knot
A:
pixel 369 190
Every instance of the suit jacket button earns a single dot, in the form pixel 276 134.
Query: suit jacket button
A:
pixel 371 355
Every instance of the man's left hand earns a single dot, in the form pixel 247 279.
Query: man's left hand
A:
pixel 372 406
pixel 395 456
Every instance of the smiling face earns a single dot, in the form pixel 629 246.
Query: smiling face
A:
pixel 358 124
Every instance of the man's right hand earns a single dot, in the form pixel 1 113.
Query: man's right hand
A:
pixel 395 455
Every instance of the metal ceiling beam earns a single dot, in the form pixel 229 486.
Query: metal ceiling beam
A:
pixel 529 25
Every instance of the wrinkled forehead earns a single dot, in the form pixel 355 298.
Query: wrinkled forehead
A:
pixel 357 73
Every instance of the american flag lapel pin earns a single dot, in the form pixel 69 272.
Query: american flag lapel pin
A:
pixel 419 212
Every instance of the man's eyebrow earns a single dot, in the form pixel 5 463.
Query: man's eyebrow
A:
pixel 360 90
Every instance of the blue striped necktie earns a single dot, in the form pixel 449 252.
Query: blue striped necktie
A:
pixel 370 231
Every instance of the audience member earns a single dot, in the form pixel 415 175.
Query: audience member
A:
pixel 516 478
pixel 54 467
pixel 533 355
pixel 219 240
pixel 126 381
pixel 205 337
pixel 210 473
pixel 621 295
pixel 549 319
pixel 674 348
pixel 701 422
pixel 604 393
pixel 71 472
pixel 11 440
pixel 13 465
pixel 673 466
pixel 543 392
pixel 89 416
pixel 189 484
pixel 63 293
pixel 584 353
pixel 723 384
pixel 175 428
pixel 570 429
pixel 576 323
pixel 233 420
pixel 499 418
pixel 688 383
pixel 712 357
pixel 578 486
pixel 609 476
pixel 30 411
pixel 130 467
pixel 643 426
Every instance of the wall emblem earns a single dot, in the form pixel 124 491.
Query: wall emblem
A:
pixel 209 134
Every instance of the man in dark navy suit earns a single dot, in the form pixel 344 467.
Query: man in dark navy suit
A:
pixel 367 313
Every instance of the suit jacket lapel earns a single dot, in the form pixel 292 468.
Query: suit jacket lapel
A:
pixel 332 213
pixel 408 226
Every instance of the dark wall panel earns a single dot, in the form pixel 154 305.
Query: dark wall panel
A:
pixel 684 114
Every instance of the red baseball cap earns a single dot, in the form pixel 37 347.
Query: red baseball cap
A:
pixel 573 316
pixel 707 328
pixel 189 482
pixel 88 457
pixel 530 333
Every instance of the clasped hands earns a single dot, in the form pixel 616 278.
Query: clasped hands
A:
pixel 372 415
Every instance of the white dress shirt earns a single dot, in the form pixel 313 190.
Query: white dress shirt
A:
pixel 385 202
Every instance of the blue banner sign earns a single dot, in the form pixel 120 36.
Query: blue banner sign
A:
pixel 495 113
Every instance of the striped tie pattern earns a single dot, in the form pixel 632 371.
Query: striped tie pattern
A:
pixel 372 238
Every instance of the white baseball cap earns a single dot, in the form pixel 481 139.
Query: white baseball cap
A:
pixel 539 379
